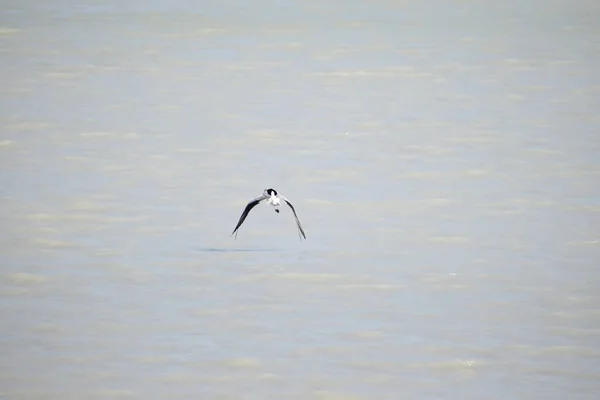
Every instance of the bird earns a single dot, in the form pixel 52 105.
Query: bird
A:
pixel 273 198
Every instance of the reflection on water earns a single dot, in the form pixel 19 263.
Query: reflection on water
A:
pixel 443 159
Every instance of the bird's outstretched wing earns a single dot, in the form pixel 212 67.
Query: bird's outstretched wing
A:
pixel 300 230
pixel 249 207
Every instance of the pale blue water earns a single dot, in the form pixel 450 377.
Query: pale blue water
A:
pixel 442 157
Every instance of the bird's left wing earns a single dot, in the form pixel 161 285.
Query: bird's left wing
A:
pixel 295 215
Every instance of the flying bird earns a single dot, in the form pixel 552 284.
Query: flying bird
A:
pixel 273 198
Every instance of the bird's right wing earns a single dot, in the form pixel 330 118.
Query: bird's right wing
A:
pixel 249 207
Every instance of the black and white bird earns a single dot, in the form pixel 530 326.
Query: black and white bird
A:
pixel 273 198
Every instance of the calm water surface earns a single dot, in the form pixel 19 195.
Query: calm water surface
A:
pixel 444 158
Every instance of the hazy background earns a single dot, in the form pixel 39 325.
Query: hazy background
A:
pixel 443 157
